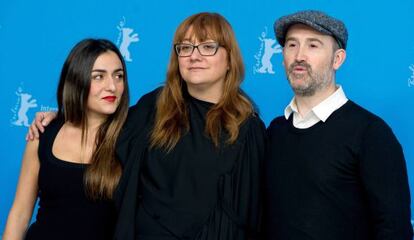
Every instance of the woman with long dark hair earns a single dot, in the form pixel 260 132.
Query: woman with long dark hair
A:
pixel 72 167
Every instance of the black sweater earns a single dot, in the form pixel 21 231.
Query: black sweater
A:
pixel 340 179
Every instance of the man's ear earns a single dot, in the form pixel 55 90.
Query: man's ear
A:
pixel 339 58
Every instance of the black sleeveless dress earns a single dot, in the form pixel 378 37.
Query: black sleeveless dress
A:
pixel 64 211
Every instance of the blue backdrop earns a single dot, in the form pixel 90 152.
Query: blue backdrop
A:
pixel 36 36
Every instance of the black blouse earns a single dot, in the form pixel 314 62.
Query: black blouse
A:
pixel 195 191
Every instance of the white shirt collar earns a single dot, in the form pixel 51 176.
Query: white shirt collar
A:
pixel 320 112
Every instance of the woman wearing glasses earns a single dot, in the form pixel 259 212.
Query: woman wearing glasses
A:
pixel 200 158
pixel 192 150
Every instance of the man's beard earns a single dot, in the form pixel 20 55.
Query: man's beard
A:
pixel 314 81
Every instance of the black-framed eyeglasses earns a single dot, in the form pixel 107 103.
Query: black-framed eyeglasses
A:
pixel 205 49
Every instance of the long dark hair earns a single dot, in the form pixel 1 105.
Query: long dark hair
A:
pixel 102 175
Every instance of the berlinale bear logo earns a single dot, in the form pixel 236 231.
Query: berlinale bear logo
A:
pixel 411 79
pixel 126 38
pixel 266 52
pixel 25 103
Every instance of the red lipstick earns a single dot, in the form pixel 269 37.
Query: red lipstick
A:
pixel 109 98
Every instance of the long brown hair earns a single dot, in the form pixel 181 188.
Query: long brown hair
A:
pixel 102 175
pixel 233 108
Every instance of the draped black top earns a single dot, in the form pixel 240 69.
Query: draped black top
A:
pixel 194 191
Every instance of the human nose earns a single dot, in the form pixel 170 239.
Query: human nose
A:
pixel 196 53
pixel 301 54
pixel 110 83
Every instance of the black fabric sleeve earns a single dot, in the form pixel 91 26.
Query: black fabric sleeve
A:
pixel 130 146
pixel 251 184
pixel 139 117
pixel 384 177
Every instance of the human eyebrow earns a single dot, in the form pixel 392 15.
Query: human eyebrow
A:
pixel 315 40
pixel 291 39
pixel 99 70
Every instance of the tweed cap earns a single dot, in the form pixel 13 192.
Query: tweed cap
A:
pixel 316 20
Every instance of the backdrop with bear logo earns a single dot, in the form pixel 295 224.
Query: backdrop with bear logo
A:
pixel 36 36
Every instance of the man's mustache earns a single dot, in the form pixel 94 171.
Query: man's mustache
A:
pixel 300 64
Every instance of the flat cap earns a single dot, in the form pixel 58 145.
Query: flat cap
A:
pixel 315 19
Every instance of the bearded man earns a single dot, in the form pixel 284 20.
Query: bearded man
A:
pixel 334 171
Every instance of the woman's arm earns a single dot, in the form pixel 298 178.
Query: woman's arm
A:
pixel 26 194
